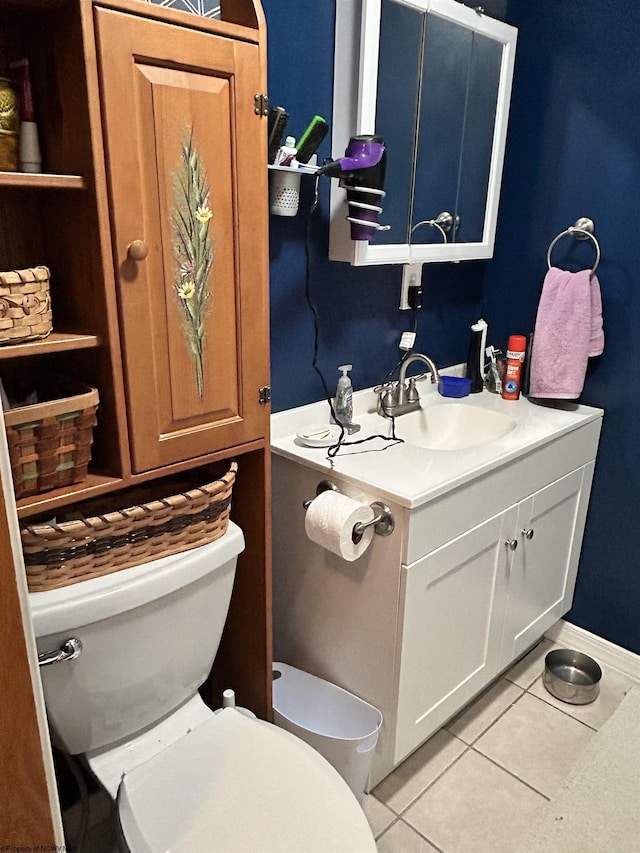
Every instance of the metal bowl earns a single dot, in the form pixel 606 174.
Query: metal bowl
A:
pixel 571 676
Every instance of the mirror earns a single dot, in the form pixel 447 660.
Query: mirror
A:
pixel 433 78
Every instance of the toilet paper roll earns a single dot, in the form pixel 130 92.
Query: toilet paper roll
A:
pixel 330 521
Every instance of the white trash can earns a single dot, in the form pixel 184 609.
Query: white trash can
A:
pixel 340 726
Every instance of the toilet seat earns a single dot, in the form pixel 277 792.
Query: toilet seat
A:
pixel 237 784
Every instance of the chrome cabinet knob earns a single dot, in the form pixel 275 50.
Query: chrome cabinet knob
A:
pixel 511 544
pixel 528 534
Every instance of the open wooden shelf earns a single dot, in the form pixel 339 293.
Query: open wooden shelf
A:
pixel 42 181
pixel 94 485
pixel 56 342
pixel 100 484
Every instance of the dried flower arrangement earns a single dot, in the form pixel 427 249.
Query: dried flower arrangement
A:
pixel 193 250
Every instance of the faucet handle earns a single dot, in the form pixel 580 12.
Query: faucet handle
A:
pixel 412 392
pixel 387 395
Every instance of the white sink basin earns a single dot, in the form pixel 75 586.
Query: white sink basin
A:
pixel 486 431
pixel 452 426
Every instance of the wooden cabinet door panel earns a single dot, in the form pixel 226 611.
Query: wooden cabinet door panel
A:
pixel 185 166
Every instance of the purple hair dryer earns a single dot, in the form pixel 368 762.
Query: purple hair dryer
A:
pixel 361 172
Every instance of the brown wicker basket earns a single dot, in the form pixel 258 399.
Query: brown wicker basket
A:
pixel 25 305
pixel 50 442
pixel 71 551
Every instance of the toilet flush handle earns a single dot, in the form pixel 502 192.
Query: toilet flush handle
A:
pixel 69 650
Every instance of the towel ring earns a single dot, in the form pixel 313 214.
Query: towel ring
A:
pixel 443 222
pixel 582 230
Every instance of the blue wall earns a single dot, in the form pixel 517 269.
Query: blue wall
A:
pixel 573 150
pixel 359 319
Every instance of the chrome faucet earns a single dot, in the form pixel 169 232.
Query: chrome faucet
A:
pixel 398 398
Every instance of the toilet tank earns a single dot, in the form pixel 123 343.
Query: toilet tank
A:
pixel 149 637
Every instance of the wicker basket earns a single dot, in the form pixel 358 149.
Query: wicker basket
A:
pixel 71 551
pixel 25 305
pixel 50 442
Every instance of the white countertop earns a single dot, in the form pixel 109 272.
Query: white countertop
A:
pixel 412 475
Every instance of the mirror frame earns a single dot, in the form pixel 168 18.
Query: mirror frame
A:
pixel 357 39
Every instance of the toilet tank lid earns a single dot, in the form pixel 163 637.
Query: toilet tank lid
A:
pixel 88 601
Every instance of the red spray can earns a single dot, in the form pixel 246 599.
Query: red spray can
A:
pixel 516 350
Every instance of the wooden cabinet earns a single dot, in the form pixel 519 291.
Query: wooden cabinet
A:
pixel 120 87
pixel 188 209
pixel 152 215
pixel 56 219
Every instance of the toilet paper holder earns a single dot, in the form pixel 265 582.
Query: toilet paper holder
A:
pixel 383 521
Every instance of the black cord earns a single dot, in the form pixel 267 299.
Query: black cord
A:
pixel 391 373
pixel 314 310
pixel 334 448
pixel 406 354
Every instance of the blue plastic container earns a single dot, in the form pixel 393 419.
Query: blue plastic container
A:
pixel 454 386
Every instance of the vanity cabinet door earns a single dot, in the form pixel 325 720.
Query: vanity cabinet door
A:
pixel 543 570
pixel 451 628
pixel 187 183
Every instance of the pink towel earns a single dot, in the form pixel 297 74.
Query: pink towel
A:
pixel 568 330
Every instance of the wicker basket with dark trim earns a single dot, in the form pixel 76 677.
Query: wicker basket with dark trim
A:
pixel 50 441
pixel 59 554
pixel 25 305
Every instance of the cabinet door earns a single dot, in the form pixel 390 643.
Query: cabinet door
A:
pixel 452 626
pixel 188 197
pixel 543 569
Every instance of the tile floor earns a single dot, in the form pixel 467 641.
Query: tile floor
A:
pixel 478 784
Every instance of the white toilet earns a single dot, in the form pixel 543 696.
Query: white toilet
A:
pixel 184 779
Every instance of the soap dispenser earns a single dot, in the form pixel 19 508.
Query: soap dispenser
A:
pixel 344 396
pixel 343 404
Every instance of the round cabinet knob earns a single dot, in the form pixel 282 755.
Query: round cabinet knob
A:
pixel 137 250
pixel 511 544
pixel 528 534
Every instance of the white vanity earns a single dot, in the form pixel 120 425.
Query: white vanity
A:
pixel 482 561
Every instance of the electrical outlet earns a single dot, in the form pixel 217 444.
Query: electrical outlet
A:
pixel 407 341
